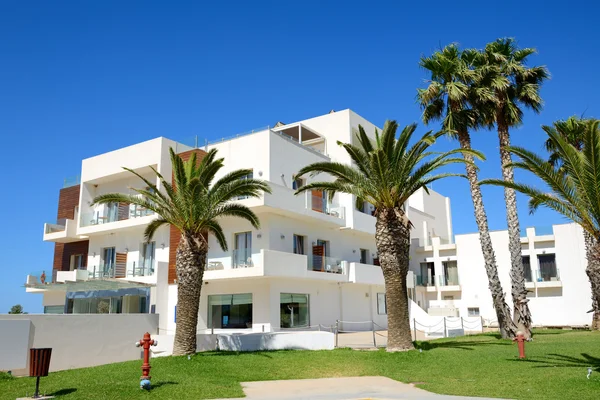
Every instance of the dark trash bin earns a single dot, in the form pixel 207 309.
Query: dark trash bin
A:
pixel 39 364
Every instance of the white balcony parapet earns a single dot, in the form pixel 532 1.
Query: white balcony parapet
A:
pixel 63 231
pixel 72 276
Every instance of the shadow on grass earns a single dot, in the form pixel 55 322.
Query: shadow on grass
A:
pixel 462 345
pixel 236 353
pixel 542 333
pixel 165 383
pixel 562 361
pixel 62 392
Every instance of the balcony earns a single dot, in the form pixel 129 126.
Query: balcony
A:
pixel 447 284
pixel 260 263
pixel 322 204
pixel 110 217
pixel 548 279
pixel 63 231
pixel 427 282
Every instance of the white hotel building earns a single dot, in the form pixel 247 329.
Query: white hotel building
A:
pixel 311 262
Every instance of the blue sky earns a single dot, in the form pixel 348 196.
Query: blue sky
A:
pixel 81 78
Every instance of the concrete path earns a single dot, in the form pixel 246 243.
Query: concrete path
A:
pixel 359 388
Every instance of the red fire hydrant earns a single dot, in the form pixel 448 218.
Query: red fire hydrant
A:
pixel 520 339
pixel 145 343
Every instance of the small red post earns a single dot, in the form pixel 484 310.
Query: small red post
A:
pixel 145 343
pixel 520 339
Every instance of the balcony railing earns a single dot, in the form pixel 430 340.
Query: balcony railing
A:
pixel 325 264
pixel 425 281
pixel 123 213
pixel 42 277
pixel 446 281
pixel 321 204
pixel 59 226
pixel 547 276
pixel 242 258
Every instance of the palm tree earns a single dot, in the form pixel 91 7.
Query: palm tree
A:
pixel 511 85
pixel 386 173
pixel 449 96
pixel 572 130
pixel 573 191
pixel 193 204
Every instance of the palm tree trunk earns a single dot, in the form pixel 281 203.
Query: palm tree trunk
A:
pixel 392 237
pixel 190 262
pixel 507 327
pixel 521 313
pixel 592 247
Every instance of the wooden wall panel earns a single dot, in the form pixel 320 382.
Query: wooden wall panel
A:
pixel 174 233
pixel 68 200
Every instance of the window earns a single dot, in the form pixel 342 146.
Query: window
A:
pixel 548 271
pixel 230 311
pixel 527 268
pixel 450 273
pixel 293 310
pixel 108 261
pixel 381 304
pixel 427 274
pixel 54 309
pixel 298 183
pixel 242 255
pixel 473 311
pixel 249 176
pixel 111 213
pixel 448 297
pixel 364 256
pixel 77 262
pixel 299 244
pixel 147 256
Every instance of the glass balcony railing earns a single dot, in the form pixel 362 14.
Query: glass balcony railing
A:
pixel 241 258
pixel 123 213
pixel 42 277
pixel 325 264
pixel 323 205
pixel 59 226
pixel 552 275
pixel 425 281
pixel 448 281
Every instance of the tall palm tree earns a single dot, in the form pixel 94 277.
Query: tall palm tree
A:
pixel 193 204
pixel 572 130
pixel 449 97
pixel 386 173
pixel 574 191
pixel 511 85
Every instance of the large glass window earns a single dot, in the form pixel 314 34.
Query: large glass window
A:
pixel 146 266
pixel 54 309
pixel 108 261
pixel 249 176
pixel 230 311
pixel 299 244
pixel 77 262
pixel 364 256
pixel 450 273
pixel 548 271
pixel 527 268
pixel 294 310
pixel 381 304
pixel 242 255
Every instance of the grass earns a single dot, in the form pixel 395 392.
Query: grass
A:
pixel 481 365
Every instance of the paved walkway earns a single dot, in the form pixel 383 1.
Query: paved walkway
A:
pixel 358 388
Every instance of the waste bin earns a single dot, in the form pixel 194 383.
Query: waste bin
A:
pixel 39 361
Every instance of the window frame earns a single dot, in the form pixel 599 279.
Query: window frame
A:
pixel 381 296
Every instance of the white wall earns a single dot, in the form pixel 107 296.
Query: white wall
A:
pixel 564 305
pixel 79 341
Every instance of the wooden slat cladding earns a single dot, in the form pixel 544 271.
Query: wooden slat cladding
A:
pixel 121 265
pixel 174 233
pixel 64 251
pixel 39 361
pixel 68 200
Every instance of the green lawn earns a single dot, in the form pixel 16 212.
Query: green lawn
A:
pixel 475 365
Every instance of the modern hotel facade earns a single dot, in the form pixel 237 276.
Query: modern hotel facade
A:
pixel 312 262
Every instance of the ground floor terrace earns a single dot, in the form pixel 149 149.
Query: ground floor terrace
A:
pixel 270 304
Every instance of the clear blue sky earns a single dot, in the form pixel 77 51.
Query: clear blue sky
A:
pixel 81 78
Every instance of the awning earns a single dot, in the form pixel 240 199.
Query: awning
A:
pixel 91 285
